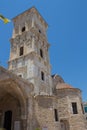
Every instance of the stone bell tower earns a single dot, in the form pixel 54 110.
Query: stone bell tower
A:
pixel 29 51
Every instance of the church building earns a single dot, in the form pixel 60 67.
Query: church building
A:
pixel 30 97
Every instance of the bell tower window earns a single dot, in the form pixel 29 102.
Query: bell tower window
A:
pixel 21 51
pixel 41 53
pixel 23 29
pixel 42 76
pixel 39 31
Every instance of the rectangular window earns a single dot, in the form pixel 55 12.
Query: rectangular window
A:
pixel 56 114
pixel 21 51
pixel 85 108
pixel 74 108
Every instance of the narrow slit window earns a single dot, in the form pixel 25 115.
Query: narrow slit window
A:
pixel 56 114
pixel 42 76
pixel 21 51
pixel 41 53
pixel 74 108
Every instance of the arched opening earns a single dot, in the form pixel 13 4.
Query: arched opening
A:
pixel 12 109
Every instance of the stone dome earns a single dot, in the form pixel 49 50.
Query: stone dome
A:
pixel 57 79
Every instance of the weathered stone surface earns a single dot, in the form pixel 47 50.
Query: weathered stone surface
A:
pixel 33 99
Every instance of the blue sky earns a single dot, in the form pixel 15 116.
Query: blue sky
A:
pixel 67 35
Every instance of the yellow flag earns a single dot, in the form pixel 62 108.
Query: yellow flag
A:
pixel 5 20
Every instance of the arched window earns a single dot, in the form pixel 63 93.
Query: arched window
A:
pixel 23 29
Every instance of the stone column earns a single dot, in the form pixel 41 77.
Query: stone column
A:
pixel 30 113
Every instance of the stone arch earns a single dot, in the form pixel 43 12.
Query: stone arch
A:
pixel 13 98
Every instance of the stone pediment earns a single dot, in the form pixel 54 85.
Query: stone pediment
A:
pixel 10 80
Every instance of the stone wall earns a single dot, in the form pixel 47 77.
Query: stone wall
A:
pixel 65 99
pixel 44 113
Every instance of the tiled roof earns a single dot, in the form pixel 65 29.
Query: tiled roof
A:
pixel 63 86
